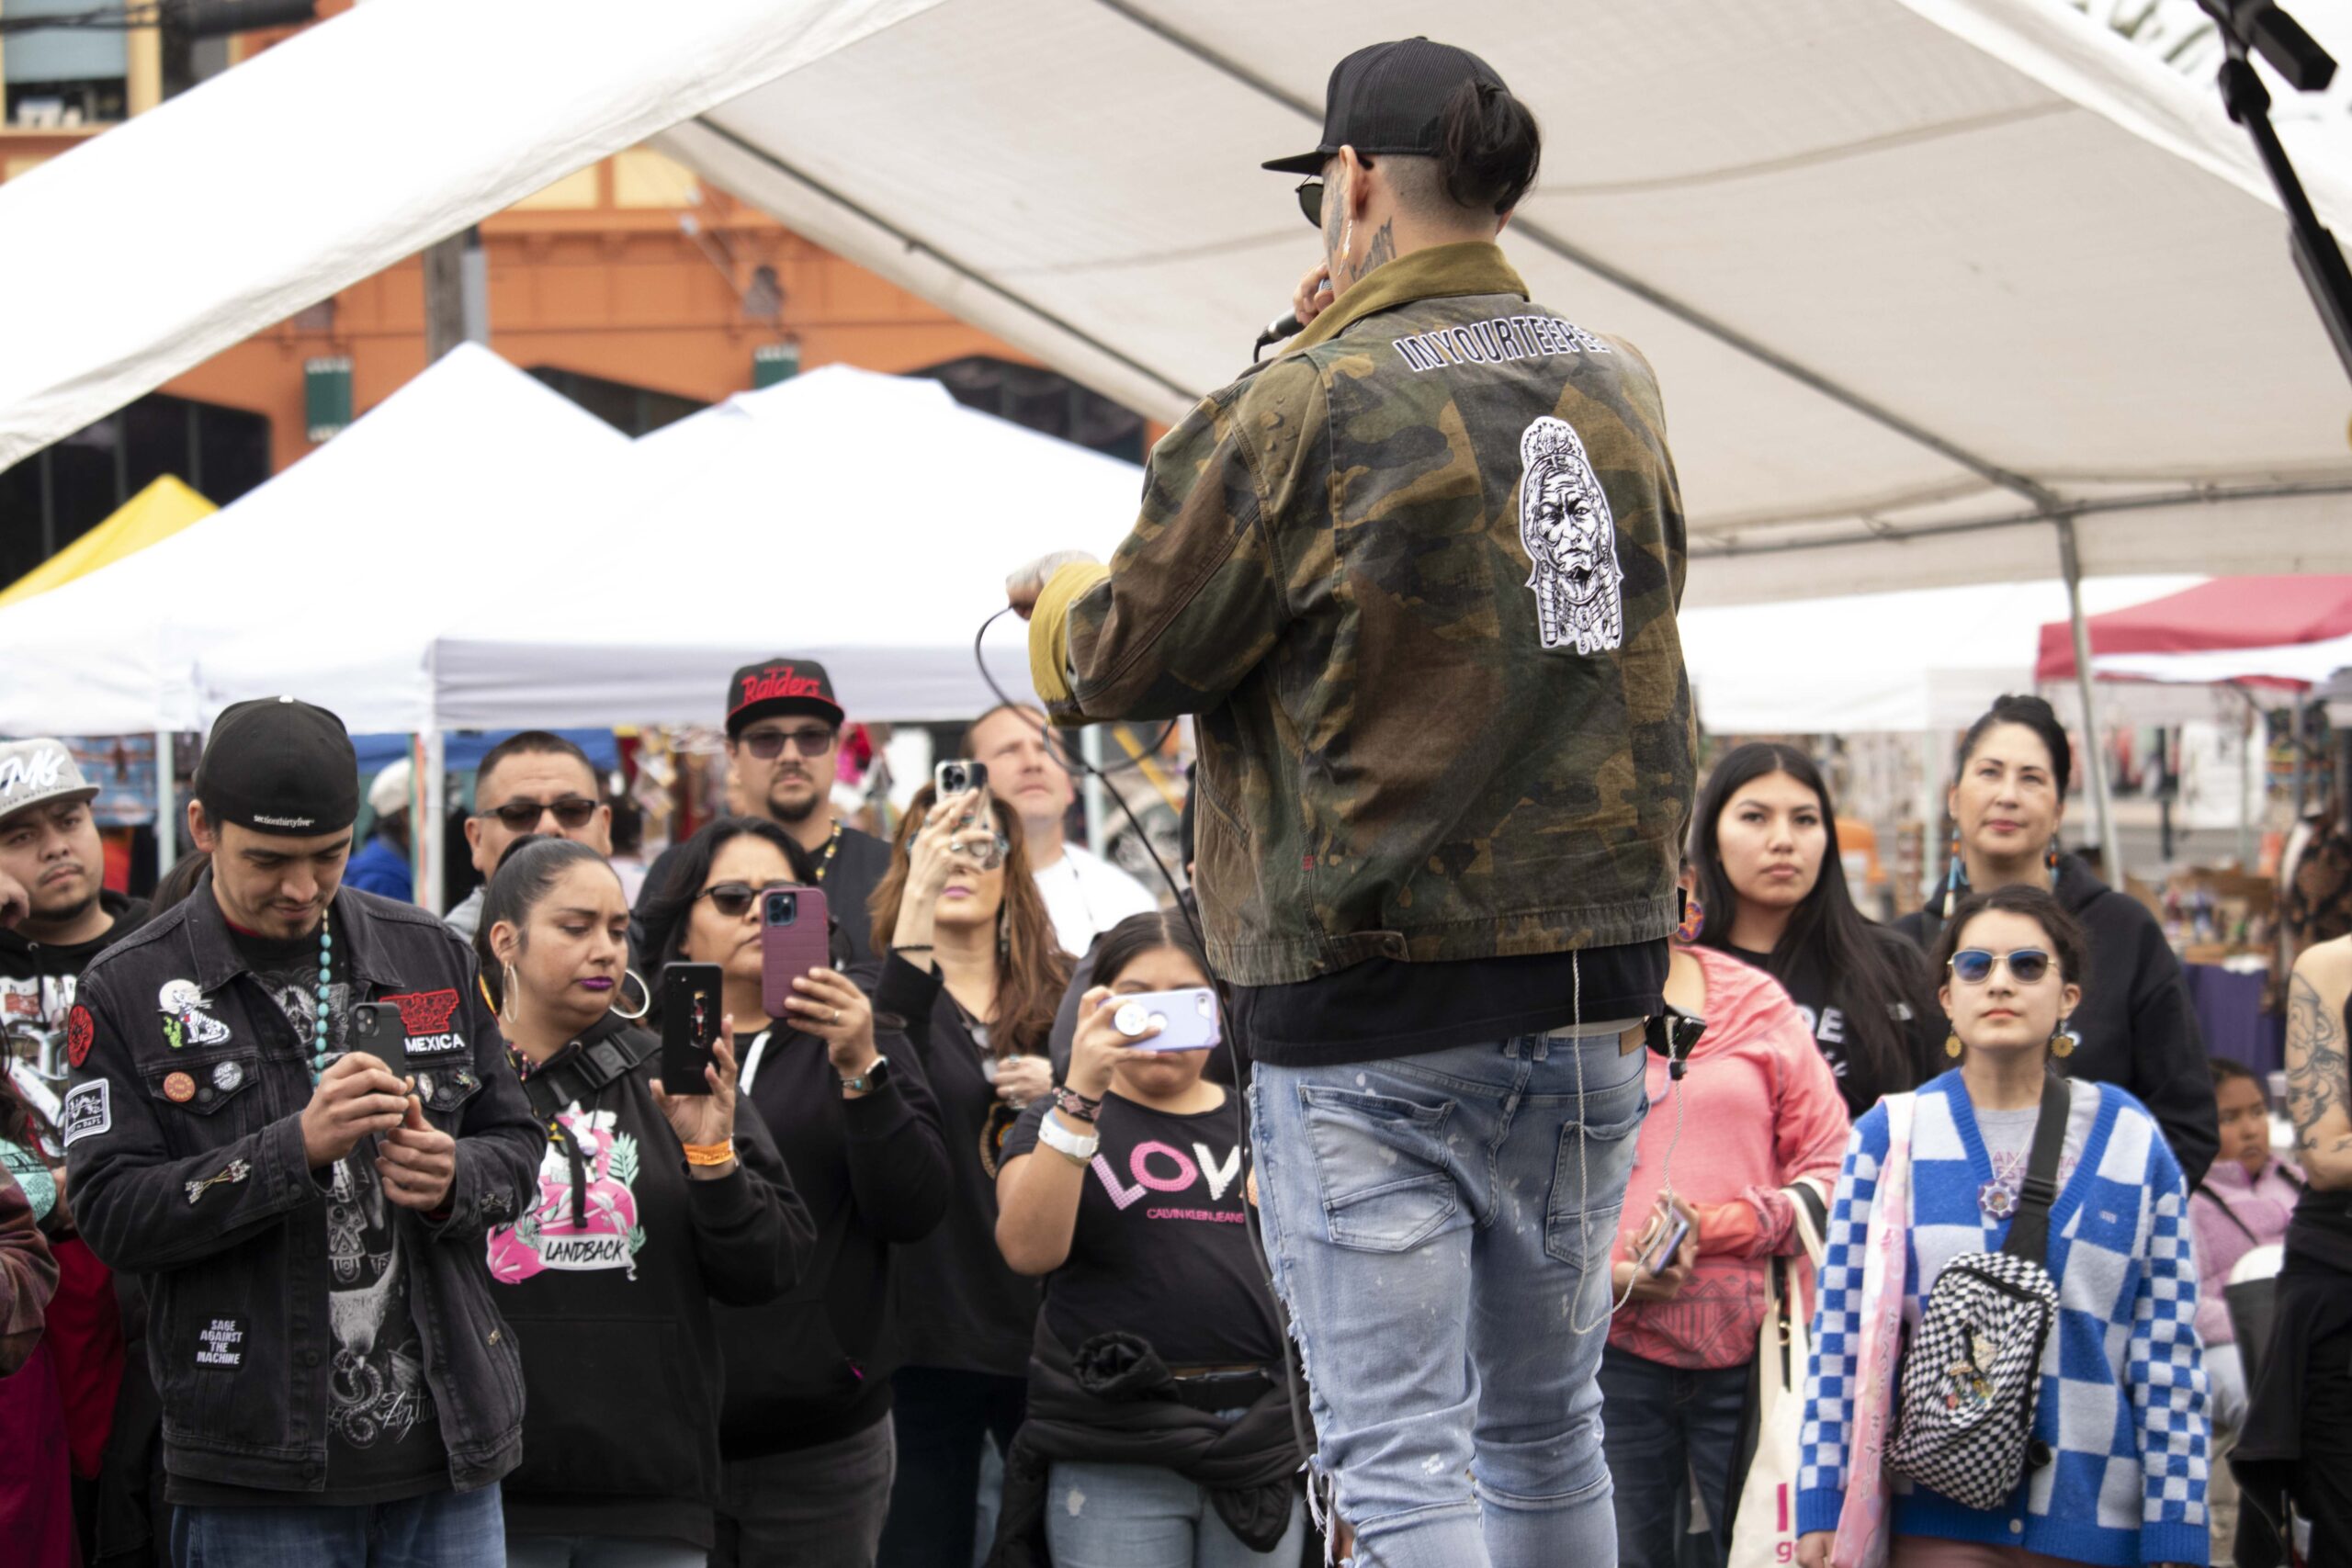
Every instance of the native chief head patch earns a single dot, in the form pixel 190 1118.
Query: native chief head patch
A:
pixel 1565 525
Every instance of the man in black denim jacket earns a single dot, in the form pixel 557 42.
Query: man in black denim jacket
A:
pixel 310 1216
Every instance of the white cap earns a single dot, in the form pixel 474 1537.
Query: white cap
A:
pixel 390 792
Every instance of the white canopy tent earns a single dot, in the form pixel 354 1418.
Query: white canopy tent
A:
pixel 455 480
pixel 858 519
pixel 396 124
pixel 1925 661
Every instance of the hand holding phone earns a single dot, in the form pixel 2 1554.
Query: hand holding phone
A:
pixel 958 775
pixel 795 936
pixel 690 1023
pixel 1666 1244
pixel 1187 1019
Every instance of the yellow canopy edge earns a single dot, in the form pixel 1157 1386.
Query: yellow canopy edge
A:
pixel 157 512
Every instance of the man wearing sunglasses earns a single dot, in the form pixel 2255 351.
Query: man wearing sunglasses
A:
pixel 1417 578
pixel 784 739
pixel 529 782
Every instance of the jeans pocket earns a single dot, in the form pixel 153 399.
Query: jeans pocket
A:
pixel 1588 1178
pixel 1381 1164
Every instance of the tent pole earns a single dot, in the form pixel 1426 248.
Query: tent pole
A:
pixel 167 834
pixel 2245 781
pixel 2070 562
pixel 425 832
pixel 1090 746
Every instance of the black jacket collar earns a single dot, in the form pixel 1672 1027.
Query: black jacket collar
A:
pixel 357 932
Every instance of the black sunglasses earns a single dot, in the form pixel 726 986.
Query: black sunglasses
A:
pixel 734 899
pixel 522 816
pixel 767 745
pixel 1973 966
pixel 1310 195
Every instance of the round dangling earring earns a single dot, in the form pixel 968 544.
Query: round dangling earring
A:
pixel 1952 1045
pixel 506 994
pixel 643 990
pixel 2061 1043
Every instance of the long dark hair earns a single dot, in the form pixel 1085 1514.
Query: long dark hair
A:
pixel 1859 963
pixel 1032 971
pixel 525 871
pixel 667 909
pixel 1140 934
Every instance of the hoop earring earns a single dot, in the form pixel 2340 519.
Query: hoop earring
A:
pixel 642 989
pixel 506 993
pixel 2062 1044
pixel 1952 1045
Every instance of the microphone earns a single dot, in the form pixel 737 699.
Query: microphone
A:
pixel 1281 327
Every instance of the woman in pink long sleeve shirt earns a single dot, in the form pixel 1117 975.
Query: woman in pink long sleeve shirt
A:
pixel 1759 1109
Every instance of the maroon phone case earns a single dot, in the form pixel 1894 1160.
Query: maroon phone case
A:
pixel 786 952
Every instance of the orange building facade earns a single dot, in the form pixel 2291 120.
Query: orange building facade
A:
pixel 631 284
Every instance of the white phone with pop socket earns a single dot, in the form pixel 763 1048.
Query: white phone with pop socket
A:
pixel 1187 1019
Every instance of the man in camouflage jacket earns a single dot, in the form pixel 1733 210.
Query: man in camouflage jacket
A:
pixel 1418 579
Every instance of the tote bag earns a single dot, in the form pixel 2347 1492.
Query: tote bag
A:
pixel 1764 1530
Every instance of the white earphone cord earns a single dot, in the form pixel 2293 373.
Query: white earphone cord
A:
pixel 1584 1176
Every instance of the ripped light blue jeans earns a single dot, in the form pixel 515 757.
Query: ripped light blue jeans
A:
pixel 1440 1228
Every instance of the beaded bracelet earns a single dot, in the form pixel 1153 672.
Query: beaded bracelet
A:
pixel 1076 1106
pixel 710 1153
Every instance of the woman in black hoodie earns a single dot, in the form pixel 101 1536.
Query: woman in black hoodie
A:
pixel 968 930
pixel 807 1426
pixel 648 1208
pixel 2137 1028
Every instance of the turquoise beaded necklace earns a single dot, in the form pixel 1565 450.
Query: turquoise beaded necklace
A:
pixel 319 1027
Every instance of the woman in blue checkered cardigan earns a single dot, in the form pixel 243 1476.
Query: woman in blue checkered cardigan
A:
pixel 2121 1406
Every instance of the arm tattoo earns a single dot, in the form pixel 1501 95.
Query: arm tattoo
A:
pixel 2316 1072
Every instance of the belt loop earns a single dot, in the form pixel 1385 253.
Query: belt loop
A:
pixel 1541 1046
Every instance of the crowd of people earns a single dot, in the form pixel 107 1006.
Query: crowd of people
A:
pixel 918 1282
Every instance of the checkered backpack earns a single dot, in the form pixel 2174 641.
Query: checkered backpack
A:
pixel 1972 1371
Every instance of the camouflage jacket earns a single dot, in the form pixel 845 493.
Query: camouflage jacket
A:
pixel 1418 577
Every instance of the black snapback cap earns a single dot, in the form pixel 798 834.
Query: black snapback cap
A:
pixel 279 765
pixel 1390 97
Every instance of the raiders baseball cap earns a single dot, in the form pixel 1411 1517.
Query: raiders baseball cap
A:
pixel 38 772
pixel 1390 97
pixel 279 765
pixel 780 685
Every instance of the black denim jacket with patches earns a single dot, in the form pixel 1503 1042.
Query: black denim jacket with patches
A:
pixel 185 1163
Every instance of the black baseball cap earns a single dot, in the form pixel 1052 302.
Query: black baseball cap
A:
pixel 1390 97
pixel 279 765
pixel 780 685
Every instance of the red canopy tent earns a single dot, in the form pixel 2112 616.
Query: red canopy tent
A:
pixel 2228 612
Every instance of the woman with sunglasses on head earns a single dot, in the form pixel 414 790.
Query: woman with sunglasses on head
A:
pixel 649 1207
pixel 805 1427
pixel 2138 1028
pixel 2115 1471
pixel 1128 1192
pixel 1771 890
pixel 972 946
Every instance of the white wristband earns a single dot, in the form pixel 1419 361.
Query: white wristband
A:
pixel 1055 1137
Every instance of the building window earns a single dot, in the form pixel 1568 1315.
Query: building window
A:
pixel 60 493
pixel 64 76
pixel 1043 400
pixel 632 411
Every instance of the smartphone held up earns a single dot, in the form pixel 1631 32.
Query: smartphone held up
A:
pixel 795 936
pixel 691 1017
pixel 1187 1019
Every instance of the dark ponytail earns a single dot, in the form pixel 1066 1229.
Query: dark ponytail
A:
pixel 1488 148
